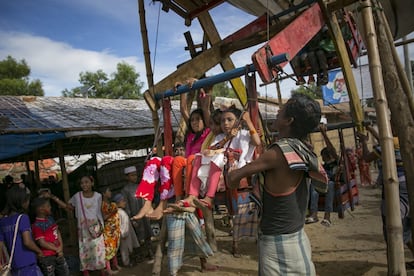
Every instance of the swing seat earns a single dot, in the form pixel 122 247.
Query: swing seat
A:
pixel 332 60
pixel 234 197
pixel 349 196
pixel 346 197
pixel 353 44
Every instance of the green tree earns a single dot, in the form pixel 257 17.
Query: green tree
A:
pixel 14 79
pixel 315 92
pixel 222 89
pixel 93 85
pixel 123 84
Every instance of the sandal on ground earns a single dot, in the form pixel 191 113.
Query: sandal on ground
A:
pixel 310 220
pixel 326 222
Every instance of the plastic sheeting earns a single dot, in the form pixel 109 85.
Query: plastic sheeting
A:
pixel 13 145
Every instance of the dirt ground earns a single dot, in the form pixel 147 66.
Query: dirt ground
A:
pixel 351 246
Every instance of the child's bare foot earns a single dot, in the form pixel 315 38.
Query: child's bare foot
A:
pixel 203 203
pixel 173 208
pixel 187 202
pixel 168 210
pixel 156 214
pixel 145 210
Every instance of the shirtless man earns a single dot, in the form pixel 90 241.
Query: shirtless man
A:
pixel 286 190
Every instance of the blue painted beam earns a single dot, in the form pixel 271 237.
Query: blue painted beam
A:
pixel 225 76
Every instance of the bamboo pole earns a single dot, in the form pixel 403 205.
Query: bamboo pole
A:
pixel 145 43
pixel 37 169
pixel 148 67
pixel 395 248
pixel 396 94
pixel 400 69
pixel 66 192
pixel 155 121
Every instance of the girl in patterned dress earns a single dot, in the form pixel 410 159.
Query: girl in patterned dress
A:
pixel 87 204
pixel 112 230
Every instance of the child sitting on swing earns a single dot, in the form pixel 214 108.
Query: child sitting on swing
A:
pixel 157 168
pixel 208 165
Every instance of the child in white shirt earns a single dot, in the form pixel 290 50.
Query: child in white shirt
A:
pixel 129 240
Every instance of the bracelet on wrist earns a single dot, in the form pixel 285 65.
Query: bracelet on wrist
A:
pixel 252 131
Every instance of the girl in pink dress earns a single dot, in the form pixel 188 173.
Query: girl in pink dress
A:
pixel 162 169
pixel 209 165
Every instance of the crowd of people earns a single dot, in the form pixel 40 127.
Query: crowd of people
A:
pixel 216 156
pixel 104 230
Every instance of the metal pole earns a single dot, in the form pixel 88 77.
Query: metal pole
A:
pixel 228 75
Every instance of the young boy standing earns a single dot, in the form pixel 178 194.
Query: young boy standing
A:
pixel 47 235
pixel 284 248
pixel 129 240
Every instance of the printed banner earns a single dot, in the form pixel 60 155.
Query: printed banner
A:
pixel 335 91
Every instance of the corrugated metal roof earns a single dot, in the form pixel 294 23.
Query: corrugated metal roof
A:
pixel 16 115
pixel 44 114
pixel 91 125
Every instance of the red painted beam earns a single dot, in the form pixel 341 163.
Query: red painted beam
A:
pixel 290 41
pixel 355 44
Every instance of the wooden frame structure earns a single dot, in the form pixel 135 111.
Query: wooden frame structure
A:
pixel 253 34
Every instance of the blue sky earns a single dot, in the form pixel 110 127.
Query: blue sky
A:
pixel 60 39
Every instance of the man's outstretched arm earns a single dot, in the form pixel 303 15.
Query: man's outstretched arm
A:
pixel 268 160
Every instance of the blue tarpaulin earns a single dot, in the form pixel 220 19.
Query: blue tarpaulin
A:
pixel 12 145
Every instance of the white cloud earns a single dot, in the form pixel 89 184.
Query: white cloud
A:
pixel 58 64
